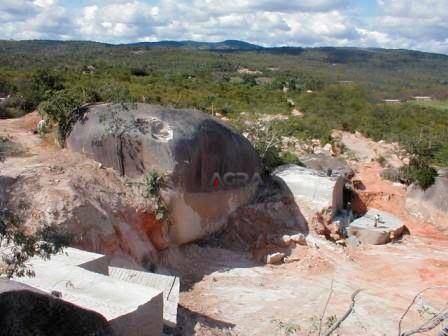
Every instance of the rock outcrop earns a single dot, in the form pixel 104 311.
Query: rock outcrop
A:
pixel 28 311
pixel 325 163
pixel 210 169
pixel 431 204
pixel 273 213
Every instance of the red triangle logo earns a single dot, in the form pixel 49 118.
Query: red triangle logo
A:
pixel 216 183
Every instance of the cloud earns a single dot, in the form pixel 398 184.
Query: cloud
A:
pixel 414 24
pixel 37 19
pixel 117 21
pixel 397 23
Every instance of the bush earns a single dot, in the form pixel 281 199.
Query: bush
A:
pixel 153 183
pixel 44 80
pixel 419 169
pixel 419 172
pixel 58 106
pixel 58 109
pixel 41 86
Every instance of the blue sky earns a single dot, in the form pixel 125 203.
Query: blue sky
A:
pixel 410 24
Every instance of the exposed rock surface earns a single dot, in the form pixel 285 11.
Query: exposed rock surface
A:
pixel 431 203
pixel 84 279
pixel 273 213
pixel 189 145
pixel 108 213
pixel 312 190
pixel 376 228
pixel 327 163
pixel 27 311
pixel 367 150
pixel 210 169
pixel 275 258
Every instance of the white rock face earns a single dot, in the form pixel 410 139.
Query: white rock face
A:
pixel 169 285
pixel 131 308
pixel 312 190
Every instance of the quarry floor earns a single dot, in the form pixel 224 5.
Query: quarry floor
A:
pixel 225 293
pixel 288 299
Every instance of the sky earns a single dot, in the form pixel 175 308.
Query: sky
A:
pixel 409 24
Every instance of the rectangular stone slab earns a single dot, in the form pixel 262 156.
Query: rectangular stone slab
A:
pixel 131 309
pixel 169 285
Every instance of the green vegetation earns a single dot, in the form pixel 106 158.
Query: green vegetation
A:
pixel 419 170
pixel 153 182
pixel 435 104
pixel 45 242
pixel 335 88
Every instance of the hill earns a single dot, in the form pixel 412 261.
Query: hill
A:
pixel 335 88
pixel 389 73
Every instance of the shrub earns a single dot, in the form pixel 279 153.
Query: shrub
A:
pixel 153 182
pixel 290 158
pixel 58 106
pixel 419 169
pixel 40 87
pixel 419 172
pixel 58 109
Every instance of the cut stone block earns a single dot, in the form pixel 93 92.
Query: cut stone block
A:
pixel 89 261
pixel 312 190
pixel 169 285
pixel 389 227
pixel 130 308
pixel 24 310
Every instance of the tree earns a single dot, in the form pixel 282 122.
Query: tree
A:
pixel 17 247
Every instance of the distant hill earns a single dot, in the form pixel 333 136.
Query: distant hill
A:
pixel 333 54
pixel 222 46
pixel 385 73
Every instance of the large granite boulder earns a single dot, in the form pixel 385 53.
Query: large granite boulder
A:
pixel 27 311
pixel 211 170
pixel 431 204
